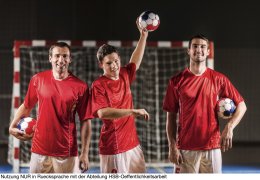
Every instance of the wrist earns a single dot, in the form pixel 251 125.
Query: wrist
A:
pixel 133 111
pixel 230 125
pixel 173 146
pixel 84 153
pixel 144 35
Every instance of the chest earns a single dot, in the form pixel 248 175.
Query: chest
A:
pixel 58 92
pixel 195 87
pixel 118 92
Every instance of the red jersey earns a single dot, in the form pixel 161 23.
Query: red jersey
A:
pixel 58 102
pixel 118 135
pixel 195 98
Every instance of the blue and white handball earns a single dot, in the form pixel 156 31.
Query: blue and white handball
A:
pixel 149 20
pixel 225 108
pixel 27 125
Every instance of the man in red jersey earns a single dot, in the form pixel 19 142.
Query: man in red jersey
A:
pixel 194 139
pixel 59 95
pixel 111 101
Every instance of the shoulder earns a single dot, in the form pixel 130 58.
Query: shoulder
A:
pixel 78 81
pixel 215 74
pixel 98 81
pixel 98 85
pixel 177 77
pixel 131 66
pixel 128 67
pixel 44 73
pixel 41 75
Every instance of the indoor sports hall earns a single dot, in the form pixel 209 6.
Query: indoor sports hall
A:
pixel 29 27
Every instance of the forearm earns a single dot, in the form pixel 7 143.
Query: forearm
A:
pixel 138 53
pixel 237 116
pixel 21 112
pixel 113 113
pixel 85 136
pixel 171 129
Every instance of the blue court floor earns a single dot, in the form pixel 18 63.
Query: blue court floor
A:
pixel 227 169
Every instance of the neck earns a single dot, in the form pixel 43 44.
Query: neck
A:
pixel 60 75
pixel 197 68
pixel 112 77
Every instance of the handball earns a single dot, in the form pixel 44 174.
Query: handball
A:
pixel 27 125
pixel 149 20
pixel 225 108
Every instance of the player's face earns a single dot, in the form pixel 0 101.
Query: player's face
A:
pixel 111 65
pixel 198 50
pixel 60 59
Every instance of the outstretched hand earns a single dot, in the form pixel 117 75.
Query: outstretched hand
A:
pixel 141 112
pixel 142 31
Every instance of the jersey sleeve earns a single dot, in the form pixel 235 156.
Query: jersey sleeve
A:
pixel 228 90
pixel 31 97
pixel 171 98
pixel 98 99
pixel 131 71
pixel 82 107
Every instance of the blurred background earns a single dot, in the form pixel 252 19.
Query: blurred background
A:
pixel 233 27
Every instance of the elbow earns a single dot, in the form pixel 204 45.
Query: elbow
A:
pixel 10 130
pixel 242 107
pixel 245 108
pixel 137 67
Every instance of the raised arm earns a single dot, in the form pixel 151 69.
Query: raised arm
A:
pixel 227 134
pixel 21 112
pixel 138 53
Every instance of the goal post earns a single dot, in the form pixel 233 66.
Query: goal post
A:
pixel 162 59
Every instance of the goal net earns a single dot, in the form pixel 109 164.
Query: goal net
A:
pixel 160 62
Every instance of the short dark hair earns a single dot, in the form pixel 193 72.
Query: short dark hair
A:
pixel 198 36
pixel 59 44
pixel 104 50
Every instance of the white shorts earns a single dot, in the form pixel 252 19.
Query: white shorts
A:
pixel 48 164
pixel 131 161
pixel 208 161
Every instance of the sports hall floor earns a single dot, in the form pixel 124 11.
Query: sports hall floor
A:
pixel 227 169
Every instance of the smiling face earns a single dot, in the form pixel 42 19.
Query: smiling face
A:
pixel 198 50
pixel 111 65
pixel 60 59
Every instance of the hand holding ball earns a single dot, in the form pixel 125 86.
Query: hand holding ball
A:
pixel 149 20
pixel 27 125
